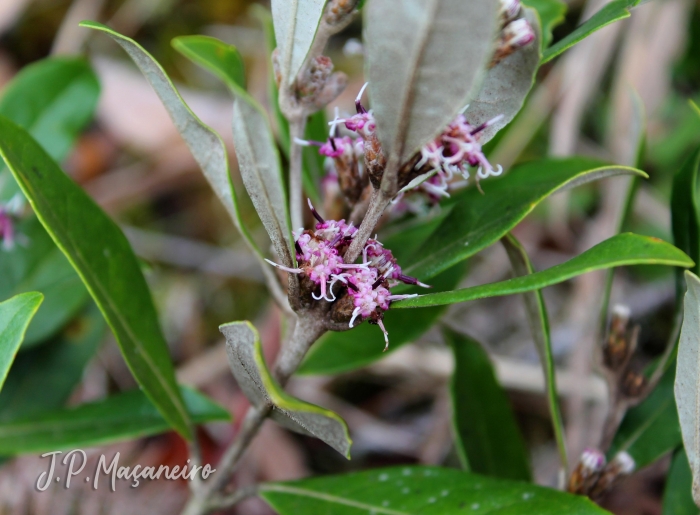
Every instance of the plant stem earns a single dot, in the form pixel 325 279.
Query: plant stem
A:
pixel 377 204
pixel 296 193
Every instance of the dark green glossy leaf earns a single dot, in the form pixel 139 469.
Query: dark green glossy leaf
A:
pixel 488 439
pixel 620 250
pixel 551 14
pixel 477 221
pixel 420 491
pixel 41 266
pixel 685 217
pixel 248 365
pixel 537 317
pixel 43 378
pixel 15 314
pixel 103 258
pixel 213 54
pixel 119 417
pixel 343 351
pixel 650 430
pixel 53 99
pixel 677 497
pixel 610 13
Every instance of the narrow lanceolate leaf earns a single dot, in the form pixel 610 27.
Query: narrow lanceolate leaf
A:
pixel 41 266
pixel 220 58
pixel 488 439
pixel 15 315
pixel 621 250
pixel 103 258
pixel 610 13
pixel 551 14
pixel 507 84
pixel 678 499
pixel 650 430
pixel 53 99
pixel 43 378
pixel 342 351
pixel 477 220
pixel 250 370
pixel 296 23
pixel 116 418
pixel 205 144
pixel 261 173
pixel 420 491
pixel 425 60
pixel 687 386
pixel 538 320
pixel 685 216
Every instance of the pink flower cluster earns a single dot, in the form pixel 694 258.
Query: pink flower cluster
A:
pixel 319 256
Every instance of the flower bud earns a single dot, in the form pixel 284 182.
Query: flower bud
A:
pixel 587 472
pixel 509 10
pixel 619 467
pixel 518 33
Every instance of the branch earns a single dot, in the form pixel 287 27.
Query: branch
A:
pixel 296 193
pixel 377 204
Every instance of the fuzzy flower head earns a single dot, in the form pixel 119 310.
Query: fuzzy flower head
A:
pixel 366 285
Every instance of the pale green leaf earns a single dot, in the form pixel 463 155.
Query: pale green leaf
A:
pixel 15 315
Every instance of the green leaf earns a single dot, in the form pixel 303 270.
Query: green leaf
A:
pixel 623 249
pixel 685 217
pixel 41 266
pixel 120 417
pixel 43 378
pixel 610 13
pixel 423 66
pixel 694 107
pixel 677 497
pixel 220 58
pixel 53 99
pixel 205 144
pixel 15 315
pixel 313 162
pixel 296 23
pixel 687 385
pixel 250 370
pixel 477 220
pixel 488 439
pixel 650 430
pixel 506 85
pixel 103 258
pixel 551 14
pixel 420 490
pixel 537 317
pixel 339 352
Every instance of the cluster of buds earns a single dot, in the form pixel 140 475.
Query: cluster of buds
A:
pixel 617 352
pixel 362 290
pixel 8 213
pixel 317 85
pixel 515 32
pixel 594 477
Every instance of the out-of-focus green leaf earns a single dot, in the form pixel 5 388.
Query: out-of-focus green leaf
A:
pixel 343 351
pixel 506 85
pixel 220 58
pixel 609 13
pixel 120 417
pixel 551 14
pixel 15 314
pixel 313 162
pixel 685 217
pixel 250 370
pixel 488 439
pixel 53 99
pixel 477 221
pixel 687 385
pixel 103 258
pixel 295 22
pixel 695 107
pixel 205 144
pixel 43 378
pixel 537 317
pixel 650 430
pixel 620 250
pixel 420 491
pixel 41 266
pixel 677 497
pixel 423 67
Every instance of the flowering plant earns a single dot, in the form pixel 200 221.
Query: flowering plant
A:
pixel 370 218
